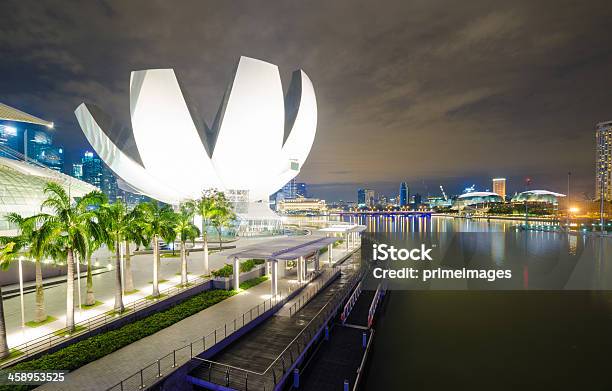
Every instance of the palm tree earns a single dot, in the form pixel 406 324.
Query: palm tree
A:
pixel 133 234
pixel 93 243
pixel 205 206
pixel 185 230
pixel 156 223
pixel 36 239
pixel 7 254
pixel 71 224
pixel 116 221
pixel 222 215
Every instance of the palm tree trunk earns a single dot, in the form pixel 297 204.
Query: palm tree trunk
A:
pixel 70 291
pixel 40 294
pixel 90 299
pixel 205 249
pixel 155 267
pixel 183 265
pixel 127 273
pixel 118 284
pixel 4 349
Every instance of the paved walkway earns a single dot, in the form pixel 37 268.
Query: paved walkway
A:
pixel 109 370
pixel 104 286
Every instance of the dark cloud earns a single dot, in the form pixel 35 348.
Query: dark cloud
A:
pixel 422 91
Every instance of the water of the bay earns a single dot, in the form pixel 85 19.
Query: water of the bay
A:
pixel 488 340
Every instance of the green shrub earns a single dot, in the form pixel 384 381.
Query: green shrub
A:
pixel 225 271
pixel 246 266
pixel 98 346
pixel 252 282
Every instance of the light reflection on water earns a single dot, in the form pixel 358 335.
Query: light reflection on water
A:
pixel 498 340
pixel 545 259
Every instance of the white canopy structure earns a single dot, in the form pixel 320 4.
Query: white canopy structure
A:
pixel 258 140
pixel 283 249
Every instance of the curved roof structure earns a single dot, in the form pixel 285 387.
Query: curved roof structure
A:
pixel 8 113
pixel 538 196
pixel 475 198
pixel 258 140
pixel 22 184
pixel 479 194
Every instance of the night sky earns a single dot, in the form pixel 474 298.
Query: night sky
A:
pixel 427 92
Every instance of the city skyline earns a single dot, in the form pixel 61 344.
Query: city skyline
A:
pixel 508 104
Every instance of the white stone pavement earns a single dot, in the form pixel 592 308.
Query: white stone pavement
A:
pixel 109 370
pixel 104 285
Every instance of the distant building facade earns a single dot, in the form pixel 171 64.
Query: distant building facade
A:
pixel 499 187
pixel 302 206
pixel 603 160
pixel 365 197
pixel 404 194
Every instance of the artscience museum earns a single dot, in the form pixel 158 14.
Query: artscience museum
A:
pixel 258 140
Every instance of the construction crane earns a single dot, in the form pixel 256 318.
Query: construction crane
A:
pixel 443 193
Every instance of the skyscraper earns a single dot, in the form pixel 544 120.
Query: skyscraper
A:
pixel 92 169
pixel 289 190
pixel 499 187
pixel 41 149
pixel 603 160
pixel 77 170
pixel 404 194
pixel 301 189
pixel 365 197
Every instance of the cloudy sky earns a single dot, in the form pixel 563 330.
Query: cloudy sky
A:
pixel 427 92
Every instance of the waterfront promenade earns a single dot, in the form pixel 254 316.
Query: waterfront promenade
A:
pixel 104 287
pixel 109 370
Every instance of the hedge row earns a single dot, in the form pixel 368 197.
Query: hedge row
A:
pixel 252 282
pixel 246 266
pixel 98 346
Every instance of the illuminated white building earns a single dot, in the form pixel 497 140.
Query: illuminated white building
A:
pixel 257 142
pixel 302 205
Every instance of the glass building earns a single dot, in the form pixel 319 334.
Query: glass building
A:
pixel 404 194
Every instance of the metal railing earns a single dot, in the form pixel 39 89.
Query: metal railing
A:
pixel 166 364
pixel 48 341
pixel 313 289
pixel 244 380
pixel 350 303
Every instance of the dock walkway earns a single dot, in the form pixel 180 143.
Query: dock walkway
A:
pixel 259 359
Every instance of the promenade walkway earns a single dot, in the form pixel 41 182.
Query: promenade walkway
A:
pixel 109 370
pixel 104 287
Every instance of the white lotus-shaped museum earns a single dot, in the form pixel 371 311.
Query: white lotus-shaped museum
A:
pixel 257 142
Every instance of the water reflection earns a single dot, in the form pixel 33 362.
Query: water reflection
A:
pixel 538 259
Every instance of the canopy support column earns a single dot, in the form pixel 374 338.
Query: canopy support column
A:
pixel 330 257
pixel 236 273
pixel 274 284
pixel 302 271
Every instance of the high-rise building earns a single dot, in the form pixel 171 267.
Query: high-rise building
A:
pixel 301 189
pixel 39 147
pixel 109 184
pixel 365 197
pixel 404 194
pixel 77 170
pixel 289 190
pixel 13 126
pixel 92 169
pixel 603 160
pixel 8 138
pixel 499 187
